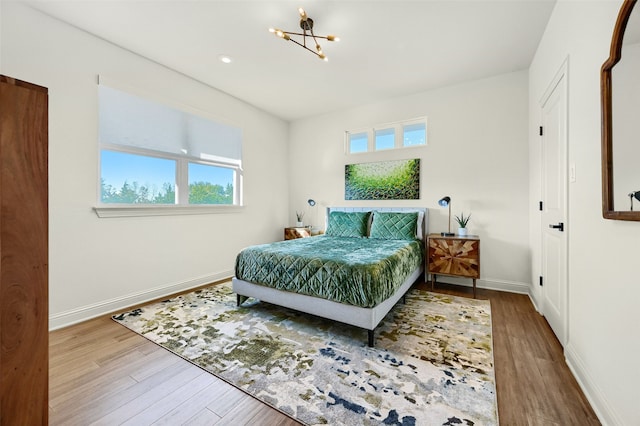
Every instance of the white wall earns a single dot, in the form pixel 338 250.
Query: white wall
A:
pixel 476 153
pixel 604 332
pixel 98 265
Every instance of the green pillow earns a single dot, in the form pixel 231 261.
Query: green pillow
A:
pixel 394 225
pixel 348 224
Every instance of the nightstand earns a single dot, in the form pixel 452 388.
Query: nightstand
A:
pixel 293 232
pixel 457 256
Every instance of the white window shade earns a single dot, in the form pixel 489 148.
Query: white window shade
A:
pixel 208 140
pixel 132 121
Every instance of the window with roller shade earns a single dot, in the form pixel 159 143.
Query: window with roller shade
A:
pixel 154 154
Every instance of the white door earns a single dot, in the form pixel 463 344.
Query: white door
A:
pixel 554 201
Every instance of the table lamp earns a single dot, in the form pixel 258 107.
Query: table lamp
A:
pixel 446 202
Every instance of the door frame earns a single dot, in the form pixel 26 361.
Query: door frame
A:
pixel 562 73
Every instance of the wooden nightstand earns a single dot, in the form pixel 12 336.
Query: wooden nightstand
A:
pixel 293 232
pixel 457 256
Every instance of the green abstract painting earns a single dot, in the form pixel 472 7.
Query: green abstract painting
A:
pixel 385 180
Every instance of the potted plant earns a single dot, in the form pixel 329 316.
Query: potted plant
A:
pixel 462 223
pixel 299 216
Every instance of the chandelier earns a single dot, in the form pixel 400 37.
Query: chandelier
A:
pixel 306 24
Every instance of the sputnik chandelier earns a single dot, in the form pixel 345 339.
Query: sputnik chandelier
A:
pixel 306 24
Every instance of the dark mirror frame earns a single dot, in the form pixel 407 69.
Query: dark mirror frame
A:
pixel 608 211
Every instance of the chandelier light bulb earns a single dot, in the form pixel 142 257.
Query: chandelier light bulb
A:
pixel 303 14
pixel 279 33
pixel 333 38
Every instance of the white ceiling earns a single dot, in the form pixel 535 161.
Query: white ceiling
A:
pixel 387 48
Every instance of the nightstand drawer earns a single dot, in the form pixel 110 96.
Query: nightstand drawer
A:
pixel 293 232
pixel 456 256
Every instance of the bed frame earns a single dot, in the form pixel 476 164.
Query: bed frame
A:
pixel 367 318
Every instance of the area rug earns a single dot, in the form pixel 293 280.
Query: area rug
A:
pixel 432 364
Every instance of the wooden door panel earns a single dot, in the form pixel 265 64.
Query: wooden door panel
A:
pixel 23 253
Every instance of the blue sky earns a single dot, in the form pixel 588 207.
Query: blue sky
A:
pixel 118 167
pixel 205 173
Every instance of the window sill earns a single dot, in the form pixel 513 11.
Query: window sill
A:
pixel 166 210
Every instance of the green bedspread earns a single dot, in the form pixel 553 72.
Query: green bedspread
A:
pixel 355 271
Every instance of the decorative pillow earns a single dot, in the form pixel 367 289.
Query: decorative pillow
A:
pixel 348 224
pixel 394 225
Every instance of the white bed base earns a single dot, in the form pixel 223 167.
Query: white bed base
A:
pixel 367 318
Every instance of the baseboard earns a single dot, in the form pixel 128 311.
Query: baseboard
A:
pixel 592 392
pixel 74 316
pixel 533 302
pixel 489 284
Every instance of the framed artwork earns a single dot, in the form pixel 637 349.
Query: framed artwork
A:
pixel 384 180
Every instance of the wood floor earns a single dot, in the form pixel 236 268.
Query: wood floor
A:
pixel 101 373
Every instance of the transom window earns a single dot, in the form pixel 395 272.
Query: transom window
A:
pixel 396 135
pixel 153 154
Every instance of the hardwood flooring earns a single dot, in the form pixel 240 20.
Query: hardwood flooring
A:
pixel 101 373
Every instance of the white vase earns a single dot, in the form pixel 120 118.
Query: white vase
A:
pixel 462 232
pixel 299 224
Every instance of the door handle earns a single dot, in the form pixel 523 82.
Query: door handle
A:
pixel 559 227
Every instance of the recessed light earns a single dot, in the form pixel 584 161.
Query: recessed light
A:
pixel 224 58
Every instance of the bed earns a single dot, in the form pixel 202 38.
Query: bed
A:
pixel 355 273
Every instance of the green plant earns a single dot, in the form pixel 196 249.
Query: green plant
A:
pixel 462 220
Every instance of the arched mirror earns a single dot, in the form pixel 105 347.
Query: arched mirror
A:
pixel 620 90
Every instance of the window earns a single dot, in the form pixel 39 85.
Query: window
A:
pixel 210 184
pixel 385 139
pixel 414 134
pixel 358 142
pixel 136 179
pixel 403 134
pixel 152 154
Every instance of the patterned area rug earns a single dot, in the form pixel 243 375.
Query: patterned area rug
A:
pixel 432 364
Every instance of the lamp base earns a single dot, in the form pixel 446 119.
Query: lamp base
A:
pixel 447 234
